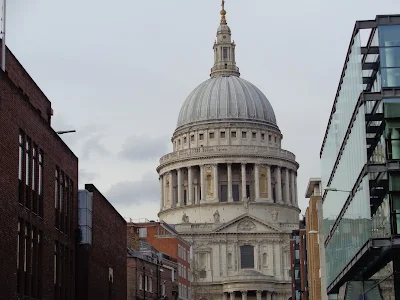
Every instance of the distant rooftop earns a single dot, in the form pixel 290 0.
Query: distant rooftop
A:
pixel 313 187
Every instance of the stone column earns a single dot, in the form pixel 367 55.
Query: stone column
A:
pixel 270 195
pixel 244 295
pixel 278 185
pixel 216 182
pixel 202 195
pixel 259 295
pixel 180 188
pixel 171 189
pixel 232 295
pixel 243 180
pixel 229 169
pixel 224 296
pixel 164 177
pixel 272 295
pixel 293 186
pixel 257 181
pixel 190 186
pixel 287 187
pixel 196 194
pixel 161 192
pixel 295 189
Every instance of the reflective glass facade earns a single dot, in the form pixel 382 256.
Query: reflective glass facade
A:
pixel 389 49
pixel 359 163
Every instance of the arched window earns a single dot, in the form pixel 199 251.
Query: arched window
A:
pixel 247 257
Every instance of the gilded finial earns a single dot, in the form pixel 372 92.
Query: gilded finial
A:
pixel 223 13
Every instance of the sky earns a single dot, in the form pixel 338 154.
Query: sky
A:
pixel 118 72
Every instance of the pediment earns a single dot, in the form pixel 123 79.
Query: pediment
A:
pixel 247 224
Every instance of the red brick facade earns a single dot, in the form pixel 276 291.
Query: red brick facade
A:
pixel 166 240
pixel 147 280
pixel 38 217
pixel 101 267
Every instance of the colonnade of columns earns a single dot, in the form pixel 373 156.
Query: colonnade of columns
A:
pixel 203 183
pixel 261 295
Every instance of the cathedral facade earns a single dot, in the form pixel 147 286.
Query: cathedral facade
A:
pixel 229 188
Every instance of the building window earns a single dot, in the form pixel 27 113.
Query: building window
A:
pixel 269 137
pixel 235 192
pixel 179 142
pixel 201 136
pixel 225 50
pixel 297 254
pixel 163 288
pixel 275 139
pixel 140 282
pixel 224 193
pixel 244 134
pixel 185 140
pixel 192 138
pixel 247 257
pixel 142 232
pixel 263 136
pixel 233 134
pixel 211 135
pixel 222 135
pixel 254 135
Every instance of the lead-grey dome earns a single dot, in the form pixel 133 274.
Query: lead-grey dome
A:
pixel 224 98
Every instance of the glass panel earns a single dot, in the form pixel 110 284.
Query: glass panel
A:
pixel 389 36
pixel 390 77
pixel 390 57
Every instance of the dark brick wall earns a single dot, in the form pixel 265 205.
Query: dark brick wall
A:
pixel 23 107
pixel 23 81
pixel 108 250
pixel 137 266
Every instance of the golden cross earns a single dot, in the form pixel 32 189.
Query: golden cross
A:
pixel 223 4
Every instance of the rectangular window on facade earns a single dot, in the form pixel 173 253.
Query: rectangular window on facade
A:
pixel 254 135
pixel 225 53
pixel 247 257
pixel 297 254
pixel 142 232
pixel 233 134
pixel 140 282
pixel 222 134
pixel 201 136
pixel 269 138
pixel 212 135
pixel 235 192
pixel 192 138
pixel 185 140
pixel 263 136
pixel 224 193
pixel 244 134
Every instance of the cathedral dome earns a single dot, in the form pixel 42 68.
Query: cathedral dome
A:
pixel 226 98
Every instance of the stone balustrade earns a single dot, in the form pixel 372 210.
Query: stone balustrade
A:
pixel 243 150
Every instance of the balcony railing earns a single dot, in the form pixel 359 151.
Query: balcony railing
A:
pixel 227 150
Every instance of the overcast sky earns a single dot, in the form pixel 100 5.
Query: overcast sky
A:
pixel 118 72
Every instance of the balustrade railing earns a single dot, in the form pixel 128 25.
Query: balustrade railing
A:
pixel 240 149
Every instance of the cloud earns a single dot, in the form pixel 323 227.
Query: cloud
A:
pixel 86 176
pixel 92 145
pixel 144 148
pixel 145 190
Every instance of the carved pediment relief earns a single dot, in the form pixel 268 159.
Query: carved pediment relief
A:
pixel 247 224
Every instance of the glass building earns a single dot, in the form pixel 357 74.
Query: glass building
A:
pixel 360 167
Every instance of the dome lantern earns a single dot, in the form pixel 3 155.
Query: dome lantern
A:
pixel 224 50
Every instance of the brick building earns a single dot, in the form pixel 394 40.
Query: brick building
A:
pixel 315 242
pixel 101 254
pixel 298 259
pixel 165 239
pixel 38 207
pixel 151 274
